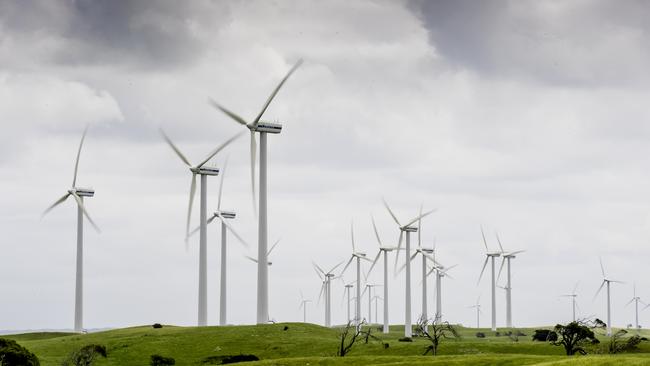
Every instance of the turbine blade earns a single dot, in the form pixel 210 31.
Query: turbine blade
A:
pixel 318 269
pixel 575 288
pixel 374 226
pixel 499 241
pixel 251 258
pixel 354 250
pixel 230 228
pixel 275 91
pixel 503 261
pixel 483 270
pixel 320 295
pixel 631 301
pixel 272 247
pixel 219 148
pixel 189 206
pixel 176 150
pixel 399 246
pixel 83 209
pixel 253 157
pixel 336 266
pixel 420 217
pixel 391 213
pixel 600 288
pixel 373 263
pixel 229 113
pixel 346 266
pixel 58 202
pixel 318 273
pixel 602 269
pixel 222 172
pixel 484 241
pixel 420 228
pixel 76 164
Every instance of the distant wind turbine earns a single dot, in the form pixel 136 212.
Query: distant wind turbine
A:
pixel 346 292
pixel 573 295
pixel 506 257
pixel 606 281
pixel 358 256
pixel 477 306
pixel 78 194
pixel 204 171
pixel 408 328
pixel 636 300
pixel 263 128
pixel 326 277
pixel 303 306
pixel 369 287
pixel 490 256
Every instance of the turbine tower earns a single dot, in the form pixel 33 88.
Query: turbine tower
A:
pixel 608 282
pixel 78 194
pixel 358 256
pixel 303 306
pixel 636 300
pixel 347 293
pixel 490 256
pixel 573 295
pixel 408 331
pixel 477 306
pixel 263 128
pixel 204 171
pixel 506 257
pixel 369 287
pixel 441 271
pixel 385 250
pixel 326 277
pixel 222 215
pixel 268 263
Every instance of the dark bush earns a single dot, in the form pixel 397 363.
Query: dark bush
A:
pixel 223 360
pixel 544 335
pixel 480 335
pixel 497 334
pixel 520 334
pixel 406 339
pixel 158 360
pixel 157 326
pixel 13 354
pixel 285 328
pixel 386 345
pixel 86 355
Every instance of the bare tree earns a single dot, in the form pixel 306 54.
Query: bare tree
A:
pixel 435 332
pixel 352 333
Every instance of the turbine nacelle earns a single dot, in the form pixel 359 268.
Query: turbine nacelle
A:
pixel 205 170
pixel 359 254
pixel 82 192
pixel 409 229
pixel 268 127
pixel 226 214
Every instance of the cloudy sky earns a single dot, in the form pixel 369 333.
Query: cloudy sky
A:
pixel 529 118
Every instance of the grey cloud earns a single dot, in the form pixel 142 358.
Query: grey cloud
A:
pixel 134 33
pixel 569 43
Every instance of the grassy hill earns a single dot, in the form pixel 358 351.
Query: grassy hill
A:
pixel 307 344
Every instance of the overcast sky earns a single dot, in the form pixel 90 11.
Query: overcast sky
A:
pixel 527 117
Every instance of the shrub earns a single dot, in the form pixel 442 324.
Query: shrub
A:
pixel 157 326
pixel 575 336
pixel 544 335
pixel 406 339
pixel 158 360
pixel 497 334
pixel 618 343
pixel 285 328
pixel 480 335
pixel 85 356
pixel 13 354
pixel 223 360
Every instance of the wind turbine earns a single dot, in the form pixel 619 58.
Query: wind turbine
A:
pixel 477 306
pixel 263 128
pixel 369 288
pixel 505 259
pixel 204 171
pixel 222 215
pixel 376 298
pixel 326 277
pixel 636 300
pixel 606 281
pixel 385 250
pixel 78 194
pixel 425 253
pixel 573 295
pixel 408 331
pixel 303 306
pixel 269 263
pixel 346 292
pixel 490 256
pixel 358 256
pixel 441 271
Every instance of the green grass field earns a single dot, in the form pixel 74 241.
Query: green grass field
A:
pixel 308 344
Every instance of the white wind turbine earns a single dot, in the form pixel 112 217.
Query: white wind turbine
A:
pixel 358 256
pixel 222 215
pixel 346 292
pixel 491 256
pixel 78 194
pixel 506 257
pixel 636 300
pixel 385 250
pixel 477 306
pixel 326 277
pixel 376 298
pixel 369 287
pixel 263 128
pixel 573 295
pixel 269 263
pixel 441 271
pixel 303 306
pixel 204 171
pixel 408 331
pixel 608 282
